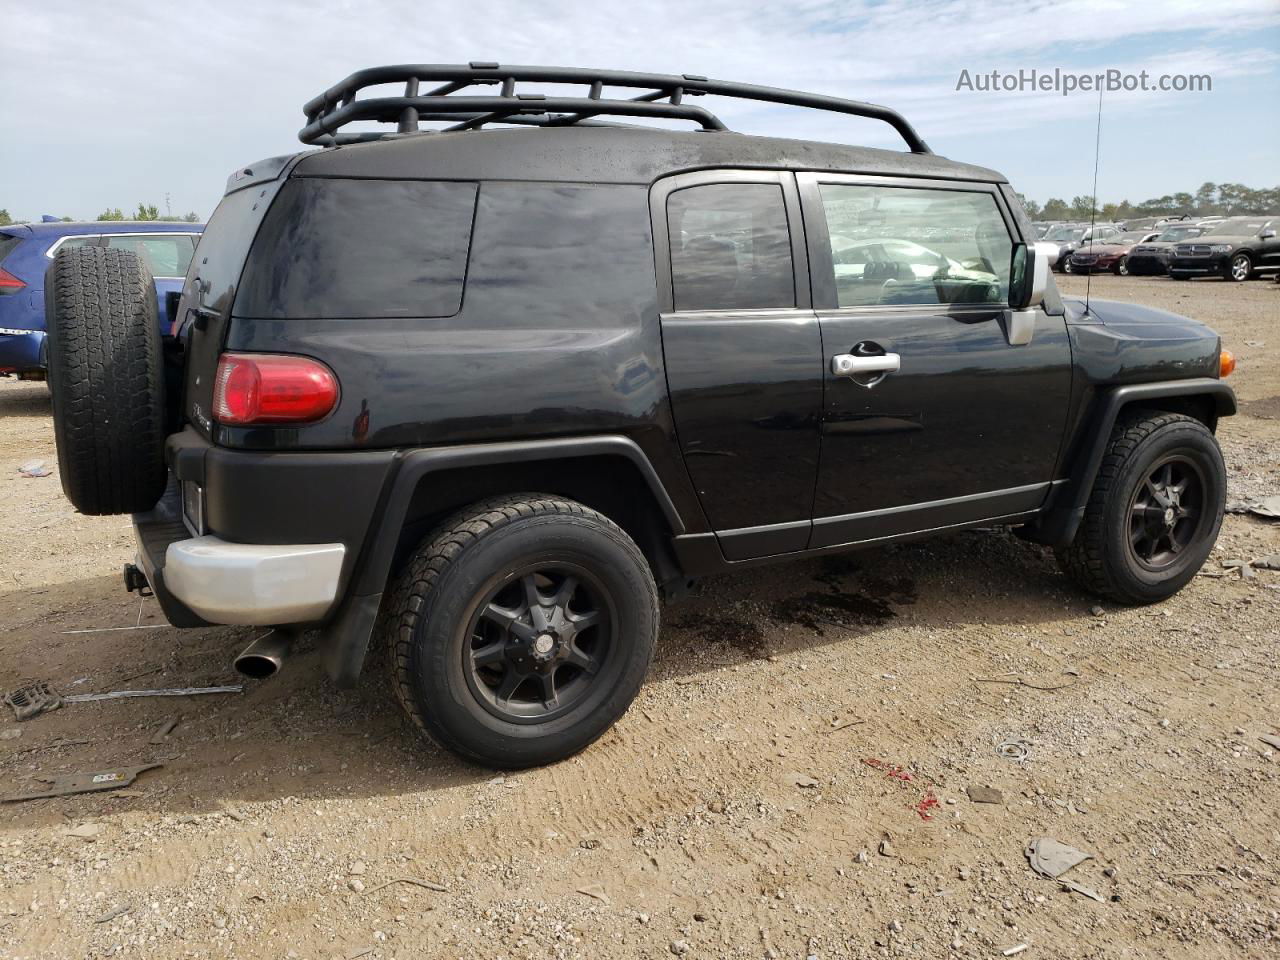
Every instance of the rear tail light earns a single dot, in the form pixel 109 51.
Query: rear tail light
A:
pixel 9 283
pixel 261 388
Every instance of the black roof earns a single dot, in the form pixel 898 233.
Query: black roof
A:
pixel 609 154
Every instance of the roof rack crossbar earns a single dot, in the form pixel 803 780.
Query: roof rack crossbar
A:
pixel 664 97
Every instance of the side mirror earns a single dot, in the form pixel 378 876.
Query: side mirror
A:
pixel 1028 281
pixel 1267 234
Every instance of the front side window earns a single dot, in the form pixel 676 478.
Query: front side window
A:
pixel 166 256
pixel 903 245
pixel 730 247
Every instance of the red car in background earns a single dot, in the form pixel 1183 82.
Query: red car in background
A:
pixel 1112 255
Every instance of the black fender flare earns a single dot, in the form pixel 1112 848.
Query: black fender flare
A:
pixel 347 635
pixel 1061 518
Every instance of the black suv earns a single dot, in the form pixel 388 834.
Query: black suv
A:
pixel 487 394
pixel 1235 249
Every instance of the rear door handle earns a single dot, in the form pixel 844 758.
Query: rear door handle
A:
pixel 847 365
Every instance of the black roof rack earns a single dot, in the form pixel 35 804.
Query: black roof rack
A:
pixel 663 97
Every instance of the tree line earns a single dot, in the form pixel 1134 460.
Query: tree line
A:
pixel 1212 199
pixel 145 211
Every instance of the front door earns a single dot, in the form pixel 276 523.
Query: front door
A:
pixel 742 351
pixel 931 417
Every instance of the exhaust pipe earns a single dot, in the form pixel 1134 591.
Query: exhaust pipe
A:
pixel 265 656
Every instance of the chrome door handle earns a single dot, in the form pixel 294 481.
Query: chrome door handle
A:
pixel 846 364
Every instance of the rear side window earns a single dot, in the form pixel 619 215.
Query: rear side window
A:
pixel 7 243
pixel 730 247
pixel 336 249
pixel 166 256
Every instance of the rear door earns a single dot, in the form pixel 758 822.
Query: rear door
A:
pixel 742 352
pixel 931 418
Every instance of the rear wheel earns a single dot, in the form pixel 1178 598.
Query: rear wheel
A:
pixel 521 630
pixel 1154 513
pixel 106 378
pixel 1121 269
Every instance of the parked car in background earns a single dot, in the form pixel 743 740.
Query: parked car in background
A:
pixel 1151 257
pixel 1070 236
pixel 1110 255
pixel 27 249
pixel 1236 249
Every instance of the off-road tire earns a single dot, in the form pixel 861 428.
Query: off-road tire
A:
pixel 1239 268
pixel 427 616
pixel 106 380
pixel 1099 559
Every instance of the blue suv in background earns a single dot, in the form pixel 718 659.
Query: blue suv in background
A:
pixel 27 249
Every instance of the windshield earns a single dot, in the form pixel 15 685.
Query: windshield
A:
pixel 1237 228
pixel 1064 233
pixel 1175 234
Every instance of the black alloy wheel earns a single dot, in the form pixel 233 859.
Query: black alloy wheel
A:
pixel 1166 512
pixel 538 641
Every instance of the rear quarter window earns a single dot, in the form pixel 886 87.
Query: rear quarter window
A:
pixel 8 242
pixel 357 249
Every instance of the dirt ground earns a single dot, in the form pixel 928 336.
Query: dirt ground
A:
pixel 745 807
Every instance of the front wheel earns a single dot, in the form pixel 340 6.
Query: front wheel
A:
pixel 1241 268
pixel 1121 269
pixel 521 630
pixel 1154 512
pixel 1066 265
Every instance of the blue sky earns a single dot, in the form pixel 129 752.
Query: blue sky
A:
pixel 107 104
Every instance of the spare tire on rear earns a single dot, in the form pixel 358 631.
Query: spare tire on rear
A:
pixel 106 375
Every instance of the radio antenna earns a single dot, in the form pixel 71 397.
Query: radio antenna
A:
pixel 1093 202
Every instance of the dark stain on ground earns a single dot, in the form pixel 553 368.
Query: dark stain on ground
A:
pixel 745 636
pixel 1267 408
pixel 812 610
pixel 870 604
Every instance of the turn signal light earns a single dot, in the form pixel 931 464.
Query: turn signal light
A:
pixel 263 388
pixel 1226 363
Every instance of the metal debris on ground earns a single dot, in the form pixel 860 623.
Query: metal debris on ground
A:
pixel 595 892
pixel 1014 951
pixel 424 884
pixel 112 914
pixel 34 468
pixel 1051 859
pixel 73 783
pixel 984 794
pixel 32 697
pixel 1268 507
pixel 162 732
pixel 171 692
pixel 1014 749
pixel 1016 680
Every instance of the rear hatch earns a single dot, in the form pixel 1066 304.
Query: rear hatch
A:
pixel 209 290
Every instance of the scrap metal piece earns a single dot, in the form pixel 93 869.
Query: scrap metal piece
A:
pixel 32 697
pixel 1052 859
pixel 84 783
pixel 171 692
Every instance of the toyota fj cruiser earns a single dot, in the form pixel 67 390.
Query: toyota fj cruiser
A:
pixel 489 393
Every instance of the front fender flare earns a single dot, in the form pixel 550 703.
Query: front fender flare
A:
pixel 1061 518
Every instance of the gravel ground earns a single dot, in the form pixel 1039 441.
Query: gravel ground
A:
pixel 745 807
